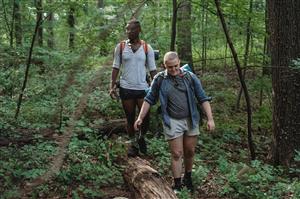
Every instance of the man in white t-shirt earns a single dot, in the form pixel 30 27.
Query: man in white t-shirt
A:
pixel 133 62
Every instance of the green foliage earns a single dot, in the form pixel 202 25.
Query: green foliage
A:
pixel 258 181
pixel 91 161
pixel 199 174
pixel 158 149
pixel 262 117
pixel 184 194
pixel 24 163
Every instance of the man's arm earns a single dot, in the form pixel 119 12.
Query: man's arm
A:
pixel 153 73
pixel 144 110
pixel 210 121
pixel 112 89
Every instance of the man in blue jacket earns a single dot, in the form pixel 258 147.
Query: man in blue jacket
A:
pixel 177 91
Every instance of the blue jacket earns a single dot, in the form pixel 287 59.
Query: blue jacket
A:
pixel 159 88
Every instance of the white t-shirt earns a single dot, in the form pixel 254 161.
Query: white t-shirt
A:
pixel 133 70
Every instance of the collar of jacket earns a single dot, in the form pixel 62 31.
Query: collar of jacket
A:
pixel 165 74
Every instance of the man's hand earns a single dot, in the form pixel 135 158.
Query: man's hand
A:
pixel 138 124
pixel 113 93
pixel 210 125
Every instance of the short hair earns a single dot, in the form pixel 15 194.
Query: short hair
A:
pixel 135 22
pixel 170 56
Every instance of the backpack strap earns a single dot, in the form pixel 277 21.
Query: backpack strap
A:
pixel 122 46
pixel 145 46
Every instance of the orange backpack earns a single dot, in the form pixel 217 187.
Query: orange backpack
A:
pixel 122 46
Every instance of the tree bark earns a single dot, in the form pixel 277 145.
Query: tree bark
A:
pixel 50 40
pixel 39 17
pixel 243 84
pixel 100 4
pixel 284 24
pixel 246 55
pixel 71 23
pixel 18 23
pixel 11 33
pixel 174 20
pixel 145 182
pixel 7 27
pixel 38 23
pixel 184 32
pixel 204 33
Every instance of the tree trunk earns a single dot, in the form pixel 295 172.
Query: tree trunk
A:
pixel 145 182
pixel 246 55
pixel 284 24
pixel 37 25
pixel 18 23
pixel 204 35
pixel 39 17
pixel 184 32
pixel 243 84
pixel 50 40
pixel 11 33
pixel 174 20
pixel 100 4
pixel 71 23
pixel 267 70
pixel 7 26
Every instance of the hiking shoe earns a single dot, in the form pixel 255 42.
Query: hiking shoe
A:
pixel 188 184
pixel 142 145
pixel 133 151
pixel 176 189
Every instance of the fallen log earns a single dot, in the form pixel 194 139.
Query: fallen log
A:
pixel 144 182
pixel 117 126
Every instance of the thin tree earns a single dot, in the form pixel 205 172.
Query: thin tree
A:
pixel 100 4
pixel 204 23
pixel 174 21
pixel 50 20
pixel 18 23
pixel 71 23
pixel 39 16
pixel 7 26
pixel 243 84
pixel 246 54
pixel 38 22
pixel 11 33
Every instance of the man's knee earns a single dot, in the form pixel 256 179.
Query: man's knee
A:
pixel 176 155
pixel 189 153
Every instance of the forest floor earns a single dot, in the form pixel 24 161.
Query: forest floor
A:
pixel 80 160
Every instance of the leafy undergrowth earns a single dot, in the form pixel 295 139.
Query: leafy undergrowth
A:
pixel 93 165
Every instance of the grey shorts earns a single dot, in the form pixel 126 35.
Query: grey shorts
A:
pixel 180 127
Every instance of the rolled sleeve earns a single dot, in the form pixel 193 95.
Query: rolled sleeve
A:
pixel 116 63
pixel 153 94
pixel 199 91
pixel 150 59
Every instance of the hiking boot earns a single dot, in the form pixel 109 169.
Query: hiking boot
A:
pixel 187 182
pixel 176 189
pixel 142 145
pixel 133 151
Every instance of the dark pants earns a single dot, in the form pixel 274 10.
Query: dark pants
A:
pixel 130 100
